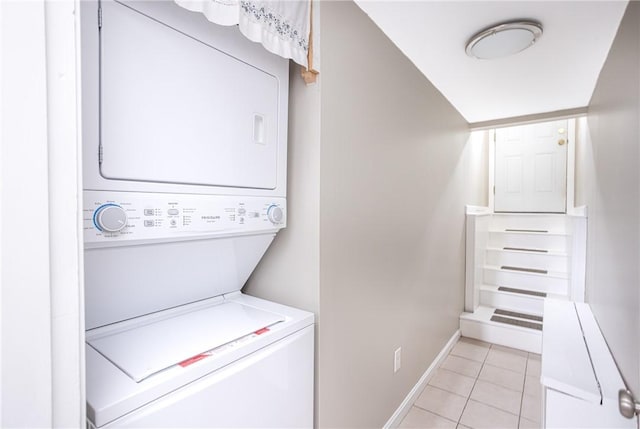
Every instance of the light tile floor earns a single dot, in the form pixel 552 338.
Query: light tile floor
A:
pixel 481 385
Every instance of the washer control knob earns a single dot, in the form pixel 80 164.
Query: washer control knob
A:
pixel 110 218
pixel 275 214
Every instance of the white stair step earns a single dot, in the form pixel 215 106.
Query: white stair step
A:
pixel 522 270
pixel 551 261
pixel 552 282
pixel 554 241
pixel 490 296
pixel 478 325
pixel 558 222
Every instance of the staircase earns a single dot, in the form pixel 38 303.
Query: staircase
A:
pixel 515 262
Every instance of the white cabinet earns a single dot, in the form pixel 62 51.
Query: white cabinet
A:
pixel 579 376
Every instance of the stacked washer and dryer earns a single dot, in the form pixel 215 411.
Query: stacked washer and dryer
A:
pixel 184 130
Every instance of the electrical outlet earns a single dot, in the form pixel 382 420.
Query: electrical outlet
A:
pixel 397 359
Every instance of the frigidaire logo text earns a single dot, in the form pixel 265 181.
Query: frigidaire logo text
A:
pixel 210 217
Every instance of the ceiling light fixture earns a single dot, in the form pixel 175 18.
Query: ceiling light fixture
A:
pixel 504 39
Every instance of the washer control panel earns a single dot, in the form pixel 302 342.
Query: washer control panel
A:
pixel 133 216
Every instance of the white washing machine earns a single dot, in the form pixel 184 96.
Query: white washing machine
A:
pixel 184 130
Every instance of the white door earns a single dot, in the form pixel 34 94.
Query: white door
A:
pixel 531 168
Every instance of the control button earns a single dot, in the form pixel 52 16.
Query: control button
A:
pixel 173 212
pixel 242 211
pixel 110 218
pixel 173 222
pixel 275 214
pixel 148 212
pixel 148 223
pixel 254 214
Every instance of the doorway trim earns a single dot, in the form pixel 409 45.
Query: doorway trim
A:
pixel 571 164
pixel 41 175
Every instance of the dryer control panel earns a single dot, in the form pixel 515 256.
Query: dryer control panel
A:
pixel 134 217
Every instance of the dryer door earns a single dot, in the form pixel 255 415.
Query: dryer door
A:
pixel 174 109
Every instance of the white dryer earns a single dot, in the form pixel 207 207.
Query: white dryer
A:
pixel 184 130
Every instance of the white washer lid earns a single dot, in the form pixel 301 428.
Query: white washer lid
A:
pixel 144 350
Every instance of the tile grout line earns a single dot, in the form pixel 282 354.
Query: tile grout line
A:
pixel 526 365
pixel 502 386
pixel 440 388
pixel 498 385
pixel 495 408
pixel 474 385
pixel 492 406
pixel 475 381
pixel 433 412
pixel 447 391
pixel 453 393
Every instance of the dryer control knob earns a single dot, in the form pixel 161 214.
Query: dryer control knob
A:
pixel 275 214
pixel 110 218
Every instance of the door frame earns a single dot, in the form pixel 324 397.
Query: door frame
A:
pixel 571 162
pixel 41 286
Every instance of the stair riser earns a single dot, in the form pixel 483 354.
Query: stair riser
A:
pixel 536 283
pixel 505 336
pixel 556 263
pixel 509 301
pixel 550 223
pixel 557 243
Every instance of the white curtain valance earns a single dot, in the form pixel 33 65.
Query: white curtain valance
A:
pixel 281 26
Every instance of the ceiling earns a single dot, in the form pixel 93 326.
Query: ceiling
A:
pixel 559 72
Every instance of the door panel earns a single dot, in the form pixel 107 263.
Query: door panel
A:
pixel 543 170
pixel 531 168
pixel 514 175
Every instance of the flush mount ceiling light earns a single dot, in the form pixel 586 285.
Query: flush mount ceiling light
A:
pixel 504 39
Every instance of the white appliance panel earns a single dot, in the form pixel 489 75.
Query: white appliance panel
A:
pixel 272 388
pixel 174 109
pixel 184 151
pixel 152 217
pixel 143 350
pixel 285 388
pixel 130 281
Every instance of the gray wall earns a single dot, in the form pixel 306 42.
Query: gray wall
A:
pixel 609 183
pixel 378 178
pixel 392 192
pixel 289 273
pixel 477 168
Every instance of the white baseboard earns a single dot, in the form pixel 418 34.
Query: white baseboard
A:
pixel 405 406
